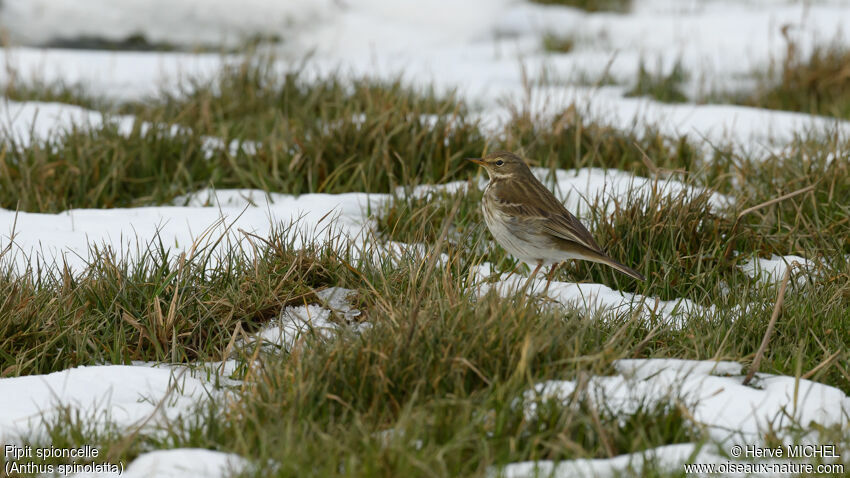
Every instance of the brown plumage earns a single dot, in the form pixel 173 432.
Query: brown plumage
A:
pixel 530 222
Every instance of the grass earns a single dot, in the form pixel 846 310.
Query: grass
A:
pixel 327 136
pixel 819 84
pixel 558 43
pixel 431 388
pixel 53 92
pixel 104 167
pixel 817 221
pixel 665 87
pixel 433 379
pixel 139 42
pixel 155 306
pixel 566 140
pixel 592 5
pixel 679 243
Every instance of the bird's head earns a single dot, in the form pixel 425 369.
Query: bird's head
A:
pixel 502 164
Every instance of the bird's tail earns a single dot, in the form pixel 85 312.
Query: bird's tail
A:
pixel 603 259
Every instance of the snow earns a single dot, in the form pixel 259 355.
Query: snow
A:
pixel 580 188
pixel 715 399
pixel 705 36
pixel 490 51
pixel 720 404
pixel 147 395
pixel 207 214
pixel 68 235
pixel 115 75
pixel 600 300
pixel 750 131
pixel 771 271
pixel 198 22
pixel 120 395
pixel 24 123
pixel 668 458
pixel 297 322
pixel 180 463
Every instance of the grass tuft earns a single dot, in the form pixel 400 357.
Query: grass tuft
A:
pixel 434 386
pixel 660 86
pixel 328 135
pixel 558 43
pixel 156 307
pixel 56 92
pixel 620 6
pixel 819 84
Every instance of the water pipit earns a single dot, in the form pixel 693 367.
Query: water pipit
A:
pixel 531 223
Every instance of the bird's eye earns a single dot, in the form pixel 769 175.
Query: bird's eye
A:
pixel 499 162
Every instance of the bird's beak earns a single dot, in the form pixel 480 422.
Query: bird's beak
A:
pixel 477 161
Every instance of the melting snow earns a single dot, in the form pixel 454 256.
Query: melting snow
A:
pixel 124 395
pixel 728 409
pixel 490 50
pixel 180 463
pixel 771 271
pixel 600 299
pixel 732 413
pixel 668 458
pixel 298 322
pixel 67 235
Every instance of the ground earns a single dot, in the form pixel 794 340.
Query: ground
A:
pixel 240 239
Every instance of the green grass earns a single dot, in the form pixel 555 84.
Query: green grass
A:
pixel 439 367
pixel 156 306
pixel 816 221
pixel 566 140
pixel 49 92
pixel 819 84
pixel 104 167
pixel 558 43
pixel 326 136
pixel 139 42
pixel 592 5
pixel 666 87
pixel 431 388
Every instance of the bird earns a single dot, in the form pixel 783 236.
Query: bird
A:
pixel 529 222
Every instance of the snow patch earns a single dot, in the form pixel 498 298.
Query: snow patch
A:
pixel 771 271
pixel 579 188
pixel 29 122
pixel 184 22
pixel 664 459
pixel 490 50
pixel 180 463
pixel 599 299
pixel 298 322
pixel 68 235
pixel 123 395
pixel 725 407
pixel 716 399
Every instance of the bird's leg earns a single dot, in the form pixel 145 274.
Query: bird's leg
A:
pixel 531 277
pixel 550 276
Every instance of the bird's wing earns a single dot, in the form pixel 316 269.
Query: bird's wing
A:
pixel 553 219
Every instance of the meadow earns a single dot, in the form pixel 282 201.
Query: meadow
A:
pixel 432 377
